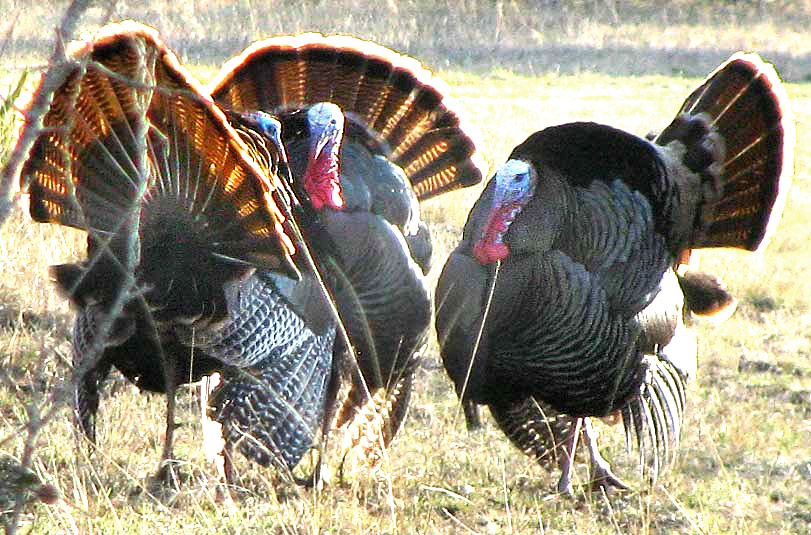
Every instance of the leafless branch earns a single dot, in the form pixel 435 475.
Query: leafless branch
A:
pixel 60 68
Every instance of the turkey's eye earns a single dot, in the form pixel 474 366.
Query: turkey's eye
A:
pixel 333 122
pixel 520 178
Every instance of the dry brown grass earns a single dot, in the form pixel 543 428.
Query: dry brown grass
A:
pixel 745 463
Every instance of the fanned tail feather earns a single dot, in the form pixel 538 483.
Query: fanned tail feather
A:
pixel 745 103
pixel 388 93
pixel 132 144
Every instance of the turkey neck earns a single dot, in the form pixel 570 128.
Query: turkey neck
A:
pixel 538 227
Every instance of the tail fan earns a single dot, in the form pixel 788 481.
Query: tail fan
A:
pixel 393 95
pixel 131 143
pixel 746 105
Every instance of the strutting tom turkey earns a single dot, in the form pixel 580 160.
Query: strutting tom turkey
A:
pixel 188 238
pixel 369 134
pixel 563 292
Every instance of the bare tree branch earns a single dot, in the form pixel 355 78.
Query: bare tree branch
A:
pixel 60 67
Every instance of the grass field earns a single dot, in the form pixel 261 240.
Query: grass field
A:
pixel 745 460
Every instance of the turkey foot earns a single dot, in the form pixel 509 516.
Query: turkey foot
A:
pixel 164 484
pixel 603 478
pixel 316 479
pixel 601 475
pixel 166 477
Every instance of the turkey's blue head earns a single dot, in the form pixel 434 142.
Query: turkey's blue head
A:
pixel 270 127
pixel 322 180
pixel 514 186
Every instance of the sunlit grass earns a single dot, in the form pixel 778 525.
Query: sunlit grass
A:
pixel 745 460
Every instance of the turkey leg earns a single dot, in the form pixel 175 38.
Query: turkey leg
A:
pixel 601 475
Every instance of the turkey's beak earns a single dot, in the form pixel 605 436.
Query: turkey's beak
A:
pixel 276 139
pixel 325 143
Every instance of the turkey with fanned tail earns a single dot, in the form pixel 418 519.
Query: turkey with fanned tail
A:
pixel 190 242
pixel 562 301
pixel 369 134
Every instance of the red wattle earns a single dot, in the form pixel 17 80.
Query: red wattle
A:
pixel 323 187
pixel 490 248
pixel 316 201
pixel 489 252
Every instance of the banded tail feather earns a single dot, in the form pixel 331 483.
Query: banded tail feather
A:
pixel 378 89
pixel 745 104
pixel 653 420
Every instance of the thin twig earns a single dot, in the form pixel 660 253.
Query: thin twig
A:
pixel 59 71
pixel 682 510
pixel 459 522
pixel 9 33
pixel 446 491
pixel 9 186
pixel 479 335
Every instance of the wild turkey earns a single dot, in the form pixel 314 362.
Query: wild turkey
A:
pixel 551 437
pixel 369 133
pixel 563 293
pixel 188 241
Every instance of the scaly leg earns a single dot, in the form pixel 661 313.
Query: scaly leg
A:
pixel 601 475
pixel 566 459
pixel 473 418
pixel 165 476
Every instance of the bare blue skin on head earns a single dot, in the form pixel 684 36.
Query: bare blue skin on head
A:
pixel 326 122
pixel 321 179
pixel 515 186
pixel 272 129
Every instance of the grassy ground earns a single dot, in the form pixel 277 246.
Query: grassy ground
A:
pixel 745 462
